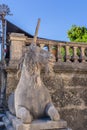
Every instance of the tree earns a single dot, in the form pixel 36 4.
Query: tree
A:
pixel 77 34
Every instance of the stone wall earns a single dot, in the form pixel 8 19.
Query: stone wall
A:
pixel 68 89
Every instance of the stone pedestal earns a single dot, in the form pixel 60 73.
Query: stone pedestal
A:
pixel 12 123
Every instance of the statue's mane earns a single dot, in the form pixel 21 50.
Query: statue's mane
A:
pixel 33 57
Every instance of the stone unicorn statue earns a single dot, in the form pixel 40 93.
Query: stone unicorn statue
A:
pixel 31 98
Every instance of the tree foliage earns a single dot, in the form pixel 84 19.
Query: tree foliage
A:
pixel 77 33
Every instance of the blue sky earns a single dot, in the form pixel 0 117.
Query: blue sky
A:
pixel 57 16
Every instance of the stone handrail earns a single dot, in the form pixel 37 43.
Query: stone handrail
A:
pixel 64 51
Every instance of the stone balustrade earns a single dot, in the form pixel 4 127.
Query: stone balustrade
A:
pixel 64 51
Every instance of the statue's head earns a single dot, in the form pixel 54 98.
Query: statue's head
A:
pixel 35 58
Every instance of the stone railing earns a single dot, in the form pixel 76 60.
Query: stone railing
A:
pixel 64 51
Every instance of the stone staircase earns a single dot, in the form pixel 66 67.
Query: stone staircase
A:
pixel 2 125
pixel 12 123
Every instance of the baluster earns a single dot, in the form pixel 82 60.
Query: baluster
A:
pixel 50 48
pixel 41 45
pixel 53 50
pixel 75 54
pixel 59 57
pixel 83 54
pixel 67 54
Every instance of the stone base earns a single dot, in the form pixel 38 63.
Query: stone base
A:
pixel 41 124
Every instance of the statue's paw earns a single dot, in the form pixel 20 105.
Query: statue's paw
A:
pixel 24 115
pixel 53 113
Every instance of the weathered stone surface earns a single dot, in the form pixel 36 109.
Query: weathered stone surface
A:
pixel 76 119
pixel 53 82
pixel 12 82
pixel 83 95
pixel 17 42
pixel 63 98
pixel 69 93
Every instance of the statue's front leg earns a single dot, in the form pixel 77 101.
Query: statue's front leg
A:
pixel 24 115
pixel 52 112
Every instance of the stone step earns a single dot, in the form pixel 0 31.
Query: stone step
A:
pixel 10 116
pixel 1 116
pixel 7 123
pixel 2 125
pixel 41 124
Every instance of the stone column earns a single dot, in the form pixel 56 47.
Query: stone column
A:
pixel 16 47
